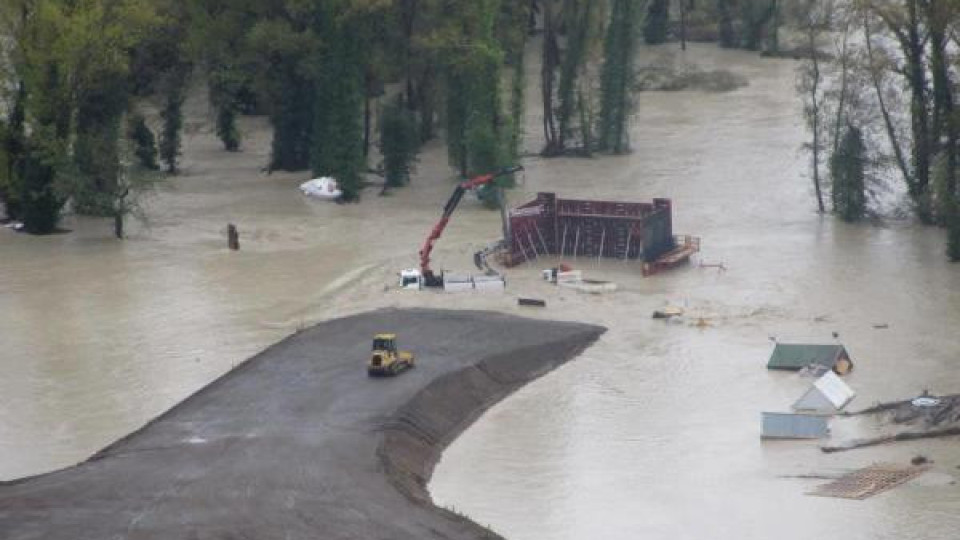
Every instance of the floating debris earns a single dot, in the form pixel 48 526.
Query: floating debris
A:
pixel 668 312
pixel 868 482
pixel 828 395
pixel 793 426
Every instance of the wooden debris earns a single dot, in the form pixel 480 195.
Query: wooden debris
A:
pixel 233 237
pixel 868 482
pixel 905 436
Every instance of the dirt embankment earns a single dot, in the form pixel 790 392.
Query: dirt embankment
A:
pixel 299 443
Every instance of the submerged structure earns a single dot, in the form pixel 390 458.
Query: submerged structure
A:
pixel 797 356
pixel 628 231
pixel 828 395
pixel 793 426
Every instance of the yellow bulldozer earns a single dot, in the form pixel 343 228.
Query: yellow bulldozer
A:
pixel 386 360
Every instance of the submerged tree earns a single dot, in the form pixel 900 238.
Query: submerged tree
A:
pixel 172 116
pixel 811 87
pixel 145 142
pixel 618 75
pixel 284 61
pixel 847 172
pixel 337 142
pixel 399 142
pixel 656 26
pixel 728 38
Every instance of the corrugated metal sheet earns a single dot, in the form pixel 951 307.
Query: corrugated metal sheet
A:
pixel 828 395
pixel 793 426
pixel 798 356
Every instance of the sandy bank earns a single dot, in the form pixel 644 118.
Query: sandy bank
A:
pixel 299 443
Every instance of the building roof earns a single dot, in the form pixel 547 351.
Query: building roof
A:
pixel 799 356
pixel 793 426
pixel 828 394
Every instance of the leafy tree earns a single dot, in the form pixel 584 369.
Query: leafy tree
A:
pixel 617 76
pixel 584 25
pixel 399 142
pixel 134 182
pixel 337 143
pixel 39 197
pixel 286 66
pixel 145 143
pixel 847 167
pixel 174 96
pixel 226 86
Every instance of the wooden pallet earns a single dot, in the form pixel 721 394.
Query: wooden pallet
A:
pixel 868 482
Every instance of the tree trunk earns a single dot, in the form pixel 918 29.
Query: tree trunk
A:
pixel 898 153
pixel 815 109
pixel 919 109
pixel 118 225
pixel 944 134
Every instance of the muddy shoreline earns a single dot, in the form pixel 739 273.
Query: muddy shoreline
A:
pixel 298 443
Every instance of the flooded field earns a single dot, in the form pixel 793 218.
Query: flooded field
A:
pixel 654 433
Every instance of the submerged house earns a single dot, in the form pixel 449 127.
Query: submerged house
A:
pixel 828 395
pixel 796 356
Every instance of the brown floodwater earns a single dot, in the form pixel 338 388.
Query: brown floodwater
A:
pixel 653 433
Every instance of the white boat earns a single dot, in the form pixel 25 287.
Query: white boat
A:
pixel 325 188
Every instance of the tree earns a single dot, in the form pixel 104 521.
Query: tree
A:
pixel 337 142
pixel 399 142
pixel 172 116
pixel 134 183
pixel 145 143
pixel 548 76
pixel 847 166
pixel 584 23
pixel 657 24
pixel 225 86
pixel 286 70
pixel 728 38
pixel 617 76
pixel 905 25
pixel 810 85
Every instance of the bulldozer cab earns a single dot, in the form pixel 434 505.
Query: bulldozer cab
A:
pixel 385 342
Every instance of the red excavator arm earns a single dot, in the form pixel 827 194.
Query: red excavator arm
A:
pixel 429 279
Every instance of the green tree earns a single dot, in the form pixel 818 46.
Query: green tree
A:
pixel 337 143
pixel 174 95
pixel 284 52
pixel 617 76
pixel 145 143
pixel 847 172
pixel 399 142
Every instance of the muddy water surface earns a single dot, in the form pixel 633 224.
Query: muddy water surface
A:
pixel 652 434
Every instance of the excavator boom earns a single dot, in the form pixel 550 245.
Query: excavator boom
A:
pixel 429 278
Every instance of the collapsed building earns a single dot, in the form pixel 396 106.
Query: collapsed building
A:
pixel 628 231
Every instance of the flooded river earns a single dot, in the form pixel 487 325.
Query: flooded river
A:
pixel 654 433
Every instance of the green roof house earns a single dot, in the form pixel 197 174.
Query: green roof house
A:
pixel 796 356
